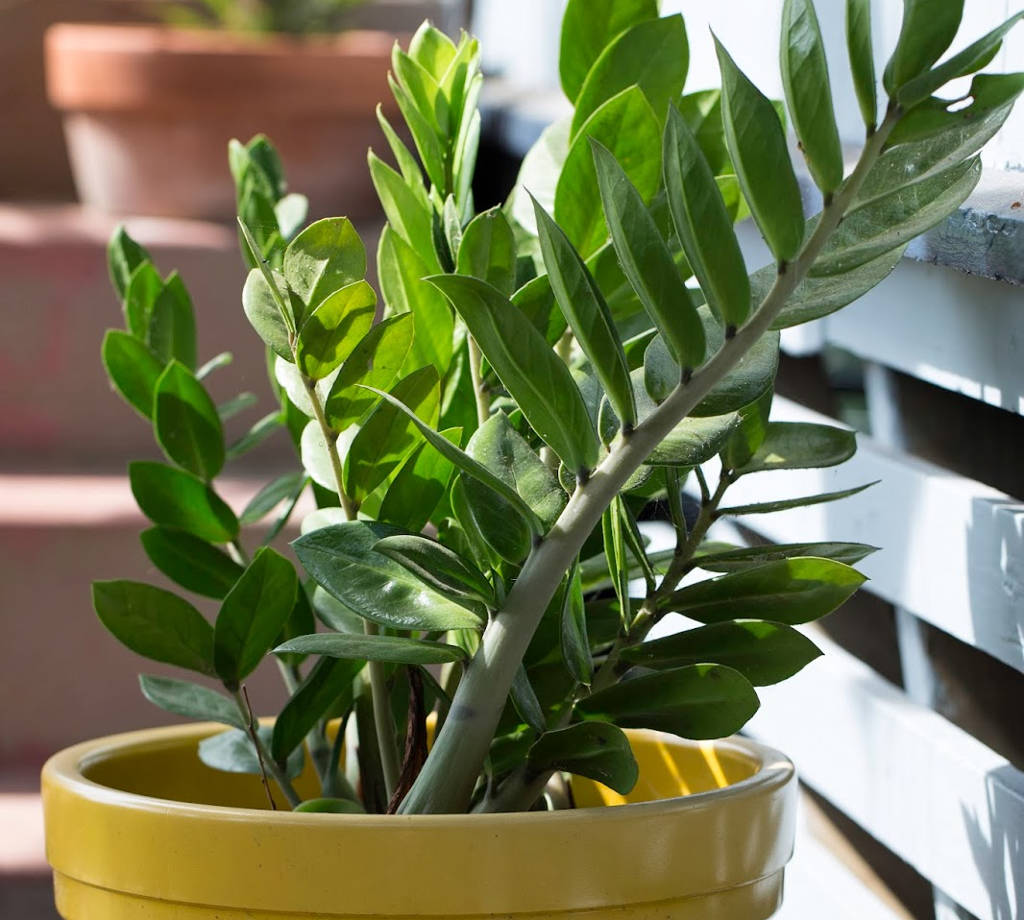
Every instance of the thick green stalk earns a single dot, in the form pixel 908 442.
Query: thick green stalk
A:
pixel 450 774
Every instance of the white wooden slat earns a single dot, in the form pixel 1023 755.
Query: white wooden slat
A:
pixel 953 549
pixel 930 792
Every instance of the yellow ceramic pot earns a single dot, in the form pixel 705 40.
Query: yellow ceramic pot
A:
pixel 137 827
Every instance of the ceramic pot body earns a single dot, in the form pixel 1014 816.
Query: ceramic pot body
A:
pixel 137 827
pixel 148 113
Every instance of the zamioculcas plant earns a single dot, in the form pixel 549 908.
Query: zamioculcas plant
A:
pixel 545 374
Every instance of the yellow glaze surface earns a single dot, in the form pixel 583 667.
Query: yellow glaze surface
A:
pixel 137 827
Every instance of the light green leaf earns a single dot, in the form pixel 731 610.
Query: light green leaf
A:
pixel 172 324
pixel 809 93
pixel 132 368
pixel 253 614
pixel 699 701
pixel 262 310
pixel 192 563
pixel 788 503
pixel 539 174
pixel 801 446
pixel 588 27
pixel 488 251
pixel 424 136
pixel 790 591
pixel 862 59
pixel 927 30
pixel 419 486
pixel 536 377
pixel 574 641
pixel 325 257
pixel 584 307
pixel 396 649
pixel 124 256
pixel 593 749
pixel 291 212
pixel 175 498
pixel 270 496
pixel 190 700
pixel 627 126
pixel 764 653
pixel 233 752
pixel 257 434
pixel 407 215
pixel 734 560
pixel 750 432
pixel 334 328
pixel 694 441
pixel 432 50
pixel 186 423
pixel 341 558
pixel 438 566
pixel 155 623
pixel 407 165
pixel 144 287
pixel 702 223
pixel 757 145
pixel 652 55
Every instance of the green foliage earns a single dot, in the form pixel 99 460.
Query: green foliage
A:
pixel 297 17
pixel 544 375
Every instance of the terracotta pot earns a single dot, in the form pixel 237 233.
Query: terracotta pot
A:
pixel 138 829
pixel 148 113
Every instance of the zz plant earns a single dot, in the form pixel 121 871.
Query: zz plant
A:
pixel 545 374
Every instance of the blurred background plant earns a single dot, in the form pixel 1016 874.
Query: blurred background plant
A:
pixel 295 17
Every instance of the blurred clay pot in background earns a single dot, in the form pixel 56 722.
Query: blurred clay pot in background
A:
pixel 149 110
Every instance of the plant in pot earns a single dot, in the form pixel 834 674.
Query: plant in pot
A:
pixel 466 640
pixel 148 109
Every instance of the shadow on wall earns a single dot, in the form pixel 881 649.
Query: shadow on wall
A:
pixel 997 843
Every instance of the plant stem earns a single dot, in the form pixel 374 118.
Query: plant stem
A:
pixel 266 762
pixel 483 405
pixel 450 774
pixel 331 440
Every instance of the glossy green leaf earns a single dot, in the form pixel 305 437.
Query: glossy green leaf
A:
pixel 407 165
pixel 588 27
pixel 301 622
pixel 132 368
pixel 233 752
pixel 536 377
pixel 788 503
pixel 801 446
pixel 627 126
pixel 175 498
pixel 331 806
pixel 497 522
pixel 596 750
pixel 438 566
pixel 525 701
pixel 458 458
pixel 420 485
pixel 749 434
pixel 539 173
pixel 574 640
pixel 376 361
pixel 432 50
pixel 702 112
pixel 699 701
pixel 262 310
pixel 424 136
pixel 694 441
pixel 172 324
pixel 334 328
pixel 584 307
pixel 192 563
pixel 124 256
pixel 653 55
pixel 341 558
pixel 329 679
pixel 155 623
pixel 396 649
pixel 402 269
pixel 190 700
pixel 253 614
pixel 809 93
pixel 386 438
pixel 488 251
pixel 927 30
pixel 734 560
pixel 764 653
pixel 408 216
pixel 144 287
pixel 325 257
pixel 862 59
pixel 702 223
pixel 791 591
pixel 757 145
pixel 186 423
pixel 270 496
pixel 893 220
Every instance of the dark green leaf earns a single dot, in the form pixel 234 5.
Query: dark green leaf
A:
pixel 693 441
pixel 190 700
pixel 526 703
pixel 172 324
pixel 144 287
pixel 758 148
pixel 928 29
pixel 186 423
pixel 334 328
pixel 593 749
pixel 488 251
pixel 341 558
pixel 588 27
pixel 652 55
pixel 809 93
pixel 788 503
pixel 325 257
pixel 420 484
pixel 155 623
pixel 300 622
pixel 270 496
pixel 536 377
pixel 329 679
pixel 698 701
pixel 192 563
pixel 789 591
pixel 734 560
pixel 178 499
pixel 496 521
pixel 132 368
pixel 575 644
pixel 764 653
pixel 627 126
pixel 395 649
pixel 862 59
pixel 801 446
pixel 124 255
pixel 438 566
pixel 647 263
pixel 749 433
pixel 702 223
pixel 253 614
pixel 233 752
